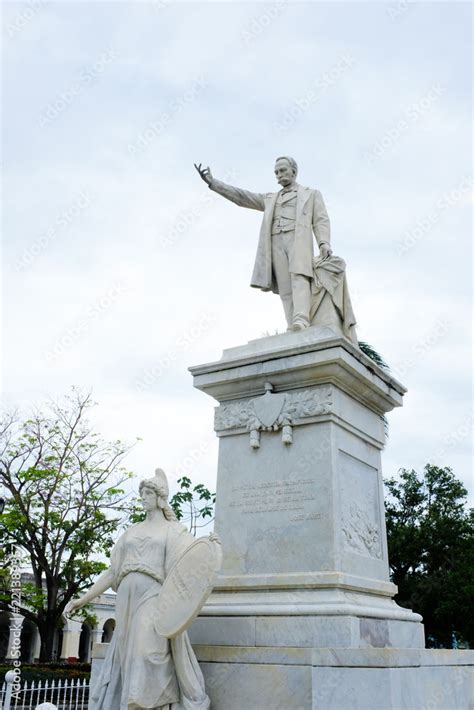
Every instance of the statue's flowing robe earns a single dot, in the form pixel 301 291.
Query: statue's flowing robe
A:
pixel 143 669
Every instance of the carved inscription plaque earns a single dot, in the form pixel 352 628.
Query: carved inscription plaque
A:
pixel 296 498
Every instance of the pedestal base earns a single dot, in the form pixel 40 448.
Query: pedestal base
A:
pixel 302 615
pixel 337 631
pixel 336 679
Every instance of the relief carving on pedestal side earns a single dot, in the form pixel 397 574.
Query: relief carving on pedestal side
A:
pixel 272 412
pixel 360 533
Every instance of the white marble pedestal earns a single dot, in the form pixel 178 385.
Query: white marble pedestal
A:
pixel 300 513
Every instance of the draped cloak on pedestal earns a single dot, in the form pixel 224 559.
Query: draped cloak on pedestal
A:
pixel 331 304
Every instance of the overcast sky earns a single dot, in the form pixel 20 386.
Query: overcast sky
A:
pixel 121 269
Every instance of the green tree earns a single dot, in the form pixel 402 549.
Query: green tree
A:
pixel 368 350
pixel 431 551
pixel 193 504
pixel 64 502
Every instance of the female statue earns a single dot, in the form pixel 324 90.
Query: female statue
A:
pixel 142 668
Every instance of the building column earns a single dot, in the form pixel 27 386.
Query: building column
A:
pixel 37 646
pixel 96 637
pixel 71 636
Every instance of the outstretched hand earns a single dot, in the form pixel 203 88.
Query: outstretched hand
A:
pixel 205 173
pixel 73 606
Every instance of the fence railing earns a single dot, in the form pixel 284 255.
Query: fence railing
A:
pixel 64 694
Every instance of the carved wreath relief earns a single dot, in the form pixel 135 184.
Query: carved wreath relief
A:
pixel 272 412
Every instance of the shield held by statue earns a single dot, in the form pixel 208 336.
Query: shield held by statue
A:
pixel 187 587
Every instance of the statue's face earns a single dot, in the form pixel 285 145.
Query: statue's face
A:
pixel 148 498
pixel 284 173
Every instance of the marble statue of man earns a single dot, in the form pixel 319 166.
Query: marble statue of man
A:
pixel 285 256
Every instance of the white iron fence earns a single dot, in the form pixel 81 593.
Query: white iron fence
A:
pixel 65 694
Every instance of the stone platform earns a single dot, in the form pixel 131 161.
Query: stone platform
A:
pixel 336 679
pixel 303 615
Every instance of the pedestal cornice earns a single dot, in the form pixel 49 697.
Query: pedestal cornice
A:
pixel 296 360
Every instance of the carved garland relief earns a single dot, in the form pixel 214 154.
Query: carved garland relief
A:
pixel 272 412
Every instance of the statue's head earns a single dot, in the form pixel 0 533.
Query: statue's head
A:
pixel 286 170
pixel 154 493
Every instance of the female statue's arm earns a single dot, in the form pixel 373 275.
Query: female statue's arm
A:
pixel 104 582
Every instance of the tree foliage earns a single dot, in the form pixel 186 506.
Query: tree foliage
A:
pixel 193 504
pixel 64 501
pixel 431 552
pixel 368 350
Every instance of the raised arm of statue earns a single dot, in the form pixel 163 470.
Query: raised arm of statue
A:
pixel 205 173
pixel 242 198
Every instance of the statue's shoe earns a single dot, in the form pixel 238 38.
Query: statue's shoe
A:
pixel 298 325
